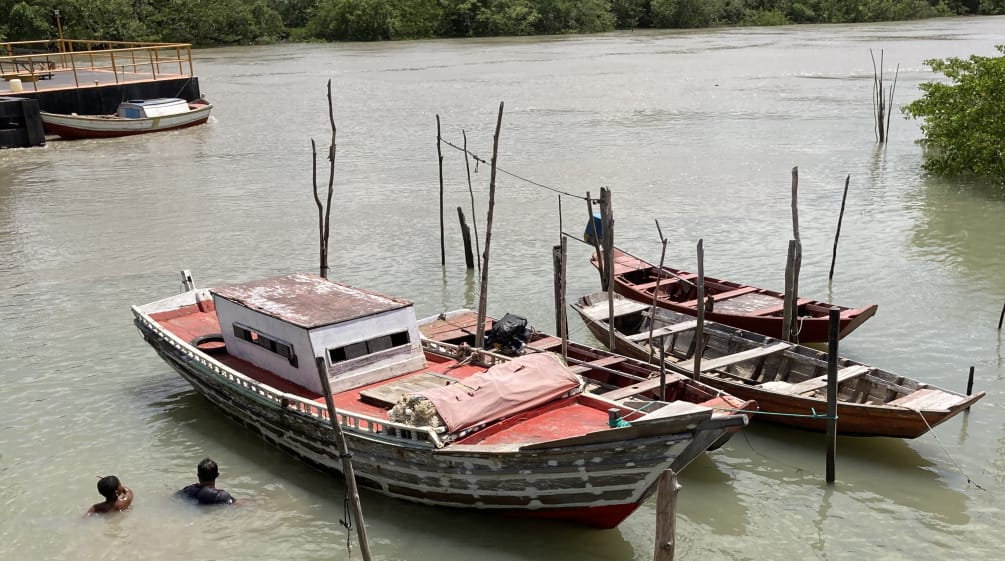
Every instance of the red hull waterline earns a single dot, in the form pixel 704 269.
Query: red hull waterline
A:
pixel 600 517
pixel 74 133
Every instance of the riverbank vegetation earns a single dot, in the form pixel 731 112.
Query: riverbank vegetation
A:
pixel 964 120
pixel 223 22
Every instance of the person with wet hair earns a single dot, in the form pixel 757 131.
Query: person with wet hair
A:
pixel 117 496
pixel 205 492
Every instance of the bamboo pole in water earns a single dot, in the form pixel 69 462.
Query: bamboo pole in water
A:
pixel 834 252
pixel 471 193
pixel 346 457
pixel 656 293
pixel 483 290
pixel 439 157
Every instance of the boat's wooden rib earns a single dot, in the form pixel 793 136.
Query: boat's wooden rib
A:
pixel 782 377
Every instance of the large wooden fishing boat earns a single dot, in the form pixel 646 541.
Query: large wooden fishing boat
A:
pixel 136 116
pixel 426 421
pixel 788 381
pixel 747 307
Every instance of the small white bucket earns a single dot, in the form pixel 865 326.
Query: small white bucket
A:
pixel 15 85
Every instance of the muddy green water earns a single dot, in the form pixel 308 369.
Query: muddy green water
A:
pixel 696 129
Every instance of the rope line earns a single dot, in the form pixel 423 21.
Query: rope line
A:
pixel 479 159
pixel 950 456
pixel 812 415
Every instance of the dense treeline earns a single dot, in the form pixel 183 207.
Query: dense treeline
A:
pixel 250 21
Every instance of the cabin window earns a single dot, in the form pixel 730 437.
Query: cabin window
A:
pixel 268 343
pixel 368 347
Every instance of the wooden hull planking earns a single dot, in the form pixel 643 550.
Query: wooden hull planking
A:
pixel 871 402
pixel 744 307
pixel 596 482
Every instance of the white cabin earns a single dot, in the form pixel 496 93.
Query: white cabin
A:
pixel 284 324
pixel 160 107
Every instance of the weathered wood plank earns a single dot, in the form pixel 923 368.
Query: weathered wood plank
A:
pixel 928 398
pixel 606 361
pixel 641 387
pixel 814 384
pixel 668 330
pixel 724 295
pixel 712 364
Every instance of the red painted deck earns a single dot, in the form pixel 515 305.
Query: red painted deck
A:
pixel 567 419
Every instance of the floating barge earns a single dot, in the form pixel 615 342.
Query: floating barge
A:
pixel 67 76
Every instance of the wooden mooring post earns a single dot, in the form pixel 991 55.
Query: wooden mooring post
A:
pixel 666 516
pixel 1001 317
pixel 484 287
pixel 346 457
pixel 834 252
pixel 471 194
pixel 699 333
pixel 324 210
pixel 607 225
pixel 469 258
pixel 559 255
pixel 439 157
pixel 834 329
pixel 790 308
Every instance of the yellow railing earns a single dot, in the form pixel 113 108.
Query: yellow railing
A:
pixel 94 63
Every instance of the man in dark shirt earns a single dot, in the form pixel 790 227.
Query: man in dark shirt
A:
pixel 205 492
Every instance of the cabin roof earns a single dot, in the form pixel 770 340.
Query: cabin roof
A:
pixel 308 300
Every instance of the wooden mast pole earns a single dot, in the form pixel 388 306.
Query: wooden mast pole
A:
pixel 483 290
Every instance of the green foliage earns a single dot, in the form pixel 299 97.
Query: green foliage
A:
pixel 506 17
pixel 572 16
pixel 27 22
pixel 375 20
pixel 251 21
pixel 964 120
pixel 681 13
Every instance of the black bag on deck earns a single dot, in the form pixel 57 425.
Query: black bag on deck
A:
pixel 508 335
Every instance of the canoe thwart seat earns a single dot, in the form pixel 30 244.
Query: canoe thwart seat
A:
pixel 723 295
pixel 664 281
pixel 662 331
pixel 641 387
pixel 723 361
pixel 820 382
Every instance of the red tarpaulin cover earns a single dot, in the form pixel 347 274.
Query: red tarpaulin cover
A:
pixel 507 388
